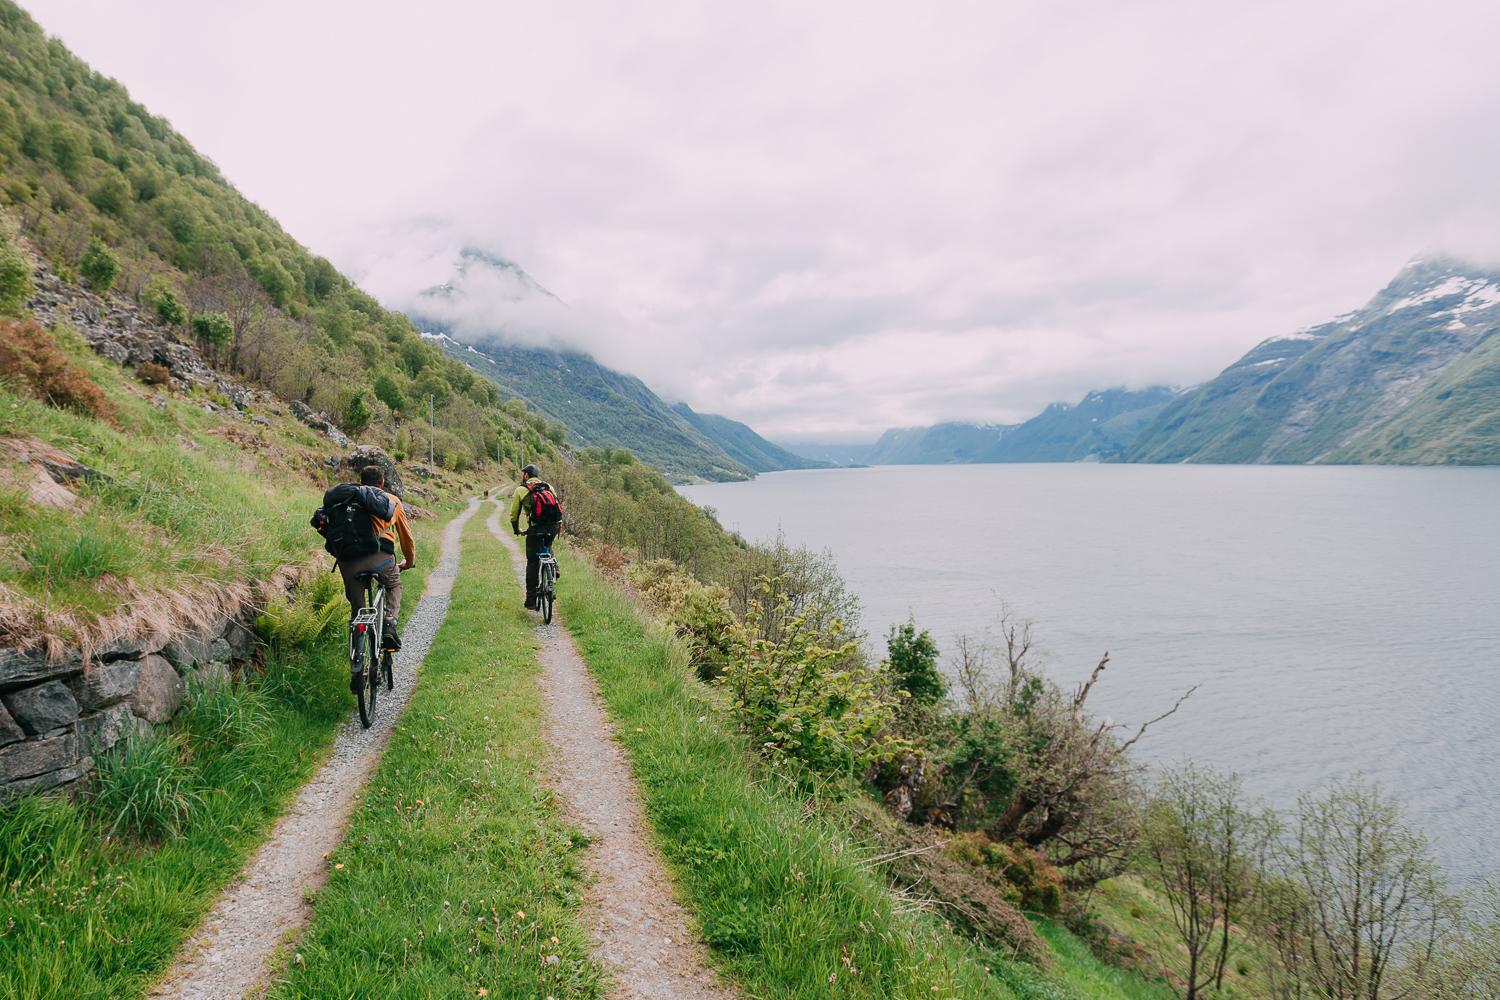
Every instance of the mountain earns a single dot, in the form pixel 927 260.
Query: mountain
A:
pixel 1098 428
pixel 603 408
pixel 743 445
pixel 1411 377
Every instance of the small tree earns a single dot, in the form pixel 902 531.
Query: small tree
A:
pixel 1468 966
pixel 913 664
pixel 1361 891
pixel 169 308
pixel 1206 852
pixel 389 393
pixel 213 328
pixel 357 416
pixel 99 267
pixel 15 272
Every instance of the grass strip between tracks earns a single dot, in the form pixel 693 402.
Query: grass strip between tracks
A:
pixel 457 876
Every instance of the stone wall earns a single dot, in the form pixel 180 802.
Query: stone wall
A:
pixel 57 714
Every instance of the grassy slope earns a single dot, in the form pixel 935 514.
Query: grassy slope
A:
pixel 788 904
pixel 457 874
pixel 84 916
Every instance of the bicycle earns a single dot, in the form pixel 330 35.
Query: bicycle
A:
pixel 546 583
pixel 366 637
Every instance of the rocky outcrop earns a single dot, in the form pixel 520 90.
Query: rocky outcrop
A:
pixel 363 455
pixel 58 713
pixel 319 421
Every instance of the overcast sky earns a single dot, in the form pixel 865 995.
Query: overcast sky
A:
pixel 826 219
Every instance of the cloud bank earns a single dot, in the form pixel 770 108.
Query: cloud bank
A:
pixel 828 219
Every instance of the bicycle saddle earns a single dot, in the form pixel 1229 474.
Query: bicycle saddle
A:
pixel 368 574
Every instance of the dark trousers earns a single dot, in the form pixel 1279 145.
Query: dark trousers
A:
pixel 535 543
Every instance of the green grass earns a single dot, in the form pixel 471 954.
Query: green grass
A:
pixel 782 899
pixel 1130 907
pixel 86 915
pixel 457 873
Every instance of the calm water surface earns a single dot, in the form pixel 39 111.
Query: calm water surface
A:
pixel 1339 620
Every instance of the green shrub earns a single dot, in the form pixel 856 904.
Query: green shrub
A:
pixel 699 613
pixel 806 694
pixel 213 328
pixel 1039 885
pixel 358 416
pixel 169 308
pixel 296 624
pixel 144 788
pixel 99 267
pixel 15 272
pixel 913 664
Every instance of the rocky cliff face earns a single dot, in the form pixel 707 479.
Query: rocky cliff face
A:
pixel 1331 393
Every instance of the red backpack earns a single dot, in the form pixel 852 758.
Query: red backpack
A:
pixel 542 508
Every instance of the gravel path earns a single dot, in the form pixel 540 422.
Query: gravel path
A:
pixel 228 956
pixel 640 932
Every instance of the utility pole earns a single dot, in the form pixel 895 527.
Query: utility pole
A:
pixel 430 462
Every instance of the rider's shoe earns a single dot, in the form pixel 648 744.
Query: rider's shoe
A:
pixel 391 639
pixel 531 603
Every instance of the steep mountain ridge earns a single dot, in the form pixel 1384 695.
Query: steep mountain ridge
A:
pixel 1354 389
pixel 742 444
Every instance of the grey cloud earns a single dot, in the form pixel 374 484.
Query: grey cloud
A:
pixel 832 218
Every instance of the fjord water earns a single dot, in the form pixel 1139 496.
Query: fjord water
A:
pixel 1340 620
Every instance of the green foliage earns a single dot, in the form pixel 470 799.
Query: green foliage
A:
pixel 357 416
pixel 698 612
pixel 99 266
pixel 213 328
pixel 388 391
pixel 221 717
pixel 15 272
pixel 913 664
pixel 169 308
pixel 805 694
pixel 296 624
pixel 145 788
pixel 58 554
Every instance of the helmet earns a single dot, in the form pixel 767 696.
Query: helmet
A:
pixel 530 471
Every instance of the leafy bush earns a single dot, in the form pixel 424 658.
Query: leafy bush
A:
pixel 358 416
pixel 913 664
pixel 15 272
pixel 30 357
pixel 698 612
pixel 806 694
pixel 213 328
pixel 1029 881
pixel 99 266
pixel 144 788
pixel 169 308
pixel 296 624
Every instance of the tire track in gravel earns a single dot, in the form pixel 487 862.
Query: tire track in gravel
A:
pixel 639 931
pixel 227 956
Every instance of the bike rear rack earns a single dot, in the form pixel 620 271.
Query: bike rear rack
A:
pixel 364 616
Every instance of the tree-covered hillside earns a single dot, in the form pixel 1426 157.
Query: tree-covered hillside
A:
pixel 742 444
pixel 116 198
pixel 1408 378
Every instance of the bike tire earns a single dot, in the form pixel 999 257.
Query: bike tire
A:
pixel 385 668
pixel 546 602
pixel 369 660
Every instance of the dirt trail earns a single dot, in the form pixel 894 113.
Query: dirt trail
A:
pixel 640 933
pixel 227 957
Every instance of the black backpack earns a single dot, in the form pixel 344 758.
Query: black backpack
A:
pixel 345 523
pixel 542 508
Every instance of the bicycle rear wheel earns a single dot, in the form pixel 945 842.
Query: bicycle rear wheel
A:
pixel 369 661
pixel 544 599
pixel 385 668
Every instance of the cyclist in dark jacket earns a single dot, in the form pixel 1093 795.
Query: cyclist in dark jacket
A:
pixel 538 536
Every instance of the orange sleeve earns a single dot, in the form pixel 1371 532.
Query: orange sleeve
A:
pixel 403 532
